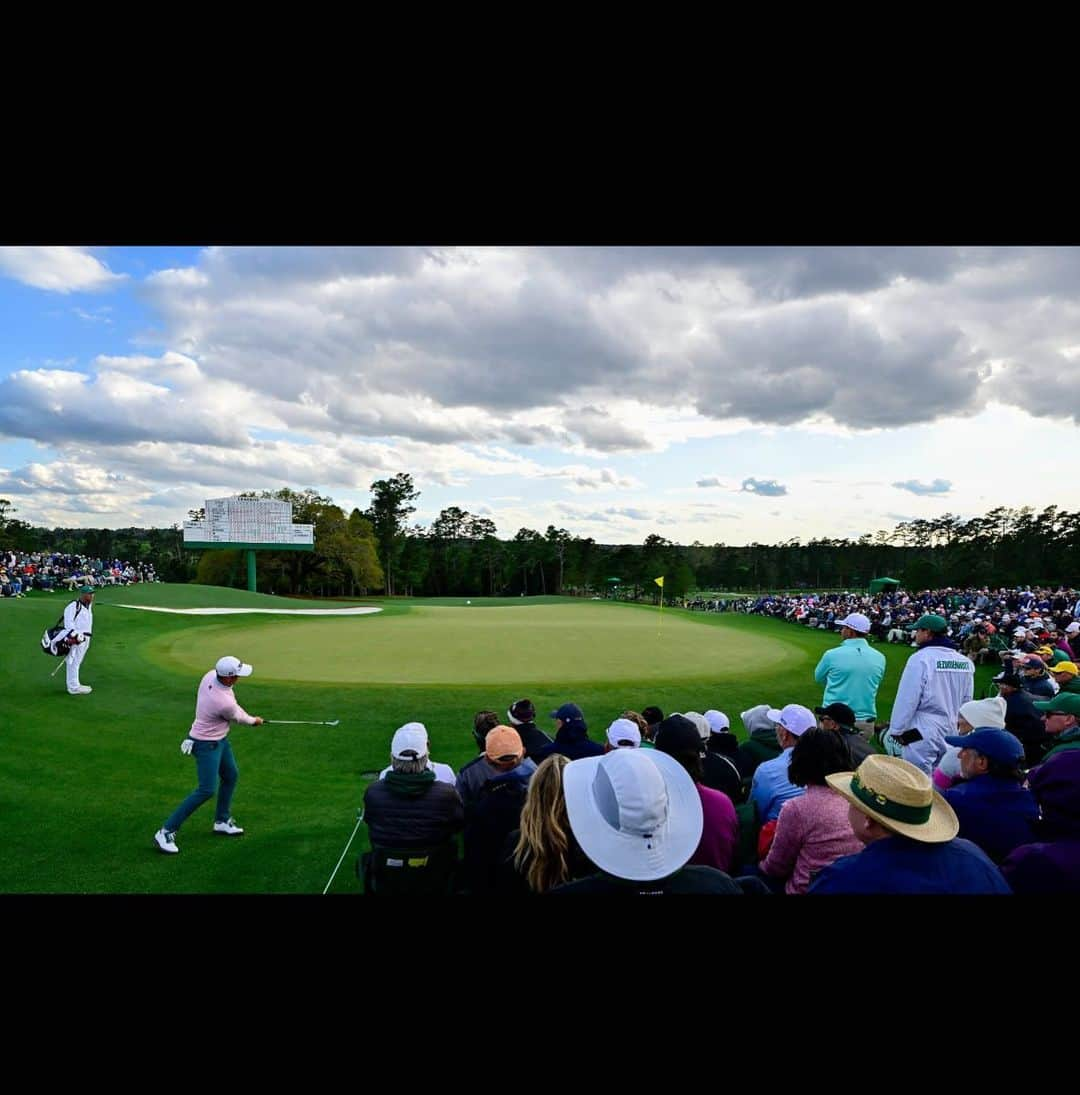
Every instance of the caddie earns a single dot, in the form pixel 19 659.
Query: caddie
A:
pixel 937 679
pixel 79 619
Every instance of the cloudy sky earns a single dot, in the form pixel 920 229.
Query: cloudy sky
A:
pixel 711 394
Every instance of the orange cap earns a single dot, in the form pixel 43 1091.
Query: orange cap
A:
pixel 502 742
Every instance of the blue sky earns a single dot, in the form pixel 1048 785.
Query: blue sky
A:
pixel 712 394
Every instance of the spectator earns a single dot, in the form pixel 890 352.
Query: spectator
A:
pixel 653 716
pixel 993 808
pixel 1061 721
pixel 643 727
pixel 910 837
pixel 936 680
pixel 678 737
pixel 417 735
pixel 812 831
pixel 760 744
pixel 478 771
pixel 1050 864
pixel 637 815
pixel 1065 674
pixel 839 718
pixel 721 739
pixel 1037 681
pixel 571 736
pixel 410 808
pixel 1021 718
pixel 989 712
pixel 543 852
pixel 771 787
pixel 522 716
pixel 719 771
pixel 496 810
pixel 852 672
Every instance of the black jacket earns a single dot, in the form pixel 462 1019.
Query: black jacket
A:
pixel 400 821
pixel 533 738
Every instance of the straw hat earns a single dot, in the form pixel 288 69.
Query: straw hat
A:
pixel 898 796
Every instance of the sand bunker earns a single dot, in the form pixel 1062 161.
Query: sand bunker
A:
pixel 263 611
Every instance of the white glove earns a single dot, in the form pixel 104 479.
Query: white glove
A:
pixel 186 746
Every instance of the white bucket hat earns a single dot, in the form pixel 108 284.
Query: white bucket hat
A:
pixel 636 813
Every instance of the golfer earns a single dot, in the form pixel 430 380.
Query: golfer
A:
pixel 208 742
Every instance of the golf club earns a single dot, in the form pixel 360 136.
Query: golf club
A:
pixel 300 722
pixel 57 669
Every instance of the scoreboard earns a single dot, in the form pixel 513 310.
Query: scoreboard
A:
pixel 249 523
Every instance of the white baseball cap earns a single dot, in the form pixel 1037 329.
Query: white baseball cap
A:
pixel 625 733
pixel 857 622
pixel 1073 628
pixel 410 742
pixel 794 718
pixel 717 720
pixel 232 667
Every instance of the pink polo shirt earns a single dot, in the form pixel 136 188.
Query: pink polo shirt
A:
pixel 215 708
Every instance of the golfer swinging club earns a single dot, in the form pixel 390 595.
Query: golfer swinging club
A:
pixel 208 742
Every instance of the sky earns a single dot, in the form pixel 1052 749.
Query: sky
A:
pixel 720 395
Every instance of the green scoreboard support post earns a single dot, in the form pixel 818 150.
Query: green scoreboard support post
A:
pixel 251 570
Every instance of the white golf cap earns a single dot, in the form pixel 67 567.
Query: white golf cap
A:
pixel 717 720
pixel 794 718
pixel 232 667
pixel 857 622
pixel 624 733
pixel 410 742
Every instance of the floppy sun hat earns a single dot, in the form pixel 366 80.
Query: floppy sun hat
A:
pixel 636 813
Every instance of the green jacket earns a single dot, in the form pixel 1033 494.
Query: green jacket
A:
pixel 1068 740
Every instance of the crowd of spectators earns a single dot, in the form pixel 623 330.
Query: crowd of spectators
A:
pixel 21 572
pixel 984 622
pixel 810 802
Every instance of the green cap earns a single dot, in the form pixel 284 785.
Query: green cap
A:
pixel 1069 702
pixel 86 589
pixel 937 624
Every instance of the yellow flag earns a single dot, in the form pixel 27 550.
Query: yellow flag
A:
pixel 659 581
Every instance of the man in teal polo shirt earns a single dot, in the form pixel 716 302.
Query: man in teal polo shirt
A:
pixel 852 672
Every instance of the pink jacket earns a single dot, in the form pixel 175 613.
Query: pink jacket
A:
pixel 811 833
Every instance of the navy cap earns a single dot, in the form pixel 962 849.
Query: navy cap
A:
pixel 998 745
pixel 567 712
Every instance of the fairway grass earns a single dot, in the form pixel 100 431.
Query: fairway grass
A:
pixel 87 780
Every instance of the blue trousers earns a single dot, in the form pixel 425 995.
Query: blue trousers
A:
pixel 214 761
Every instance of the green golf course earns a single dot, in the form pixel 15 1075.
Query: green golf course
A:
pixel 88 779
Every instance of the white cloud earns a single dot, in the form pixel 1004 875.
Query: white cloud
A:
pixel 57 269
pixel 938 486
pixel 768 487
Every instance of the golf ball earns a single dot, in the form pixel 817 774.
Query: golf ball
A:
pixel 468 602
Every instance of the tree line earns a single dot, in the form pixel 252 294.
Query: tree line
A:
pixel 380 550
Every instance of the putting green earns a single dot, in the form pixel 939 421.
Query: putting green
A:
pixel 459 645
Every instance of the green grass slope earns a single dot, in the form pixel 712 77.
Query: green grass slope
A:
pixel 88 779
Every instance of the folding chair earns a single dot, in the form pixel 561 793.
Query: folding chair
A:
pixel 408 871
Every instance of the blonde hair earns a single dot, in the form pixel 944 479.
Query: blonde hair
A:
pixel 545 828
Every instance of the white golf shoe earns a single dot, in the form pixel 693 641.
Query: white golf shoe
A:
pixel 166 842
pixel 82 690
pixel 229 828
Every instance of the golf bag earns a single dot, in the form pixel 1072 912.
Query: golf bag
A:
pixel 55 639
